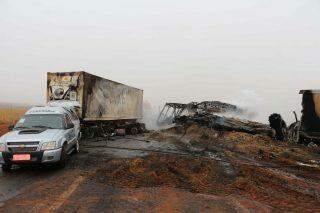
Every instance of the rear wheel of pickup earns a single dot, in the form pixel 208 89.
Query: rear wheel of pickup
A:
pixel 62 162
pixel 6 167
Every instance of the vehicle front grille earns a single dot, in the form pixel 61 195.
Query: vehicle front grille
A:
pixel 29 143
pixel 20 147
pixel 21 150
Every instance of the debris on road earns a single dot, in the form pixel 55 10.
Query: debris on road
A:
pixel 225 124
pixel 210 114
pixel 307 129
pixel 172 110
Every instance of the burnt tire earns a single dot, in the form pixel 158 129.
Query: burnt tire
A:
pixel 90 133
pixel 134 131
pixel 279 125
pixel 6 167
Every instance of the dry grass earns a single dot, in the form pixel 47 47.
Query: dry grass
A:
pixel 11 115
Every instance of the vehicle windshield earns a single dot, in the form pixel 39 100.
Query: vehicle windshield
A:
pixel 40 121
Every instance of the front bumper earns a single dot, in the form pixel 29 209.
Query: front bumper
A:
pixel 38 157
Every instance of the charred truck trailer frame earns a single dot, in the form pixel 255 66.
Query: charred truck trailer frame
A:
pixel 105 105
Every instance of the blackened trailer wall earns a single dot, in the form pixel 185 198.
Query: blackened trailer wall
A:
pixel 310 119
pixel 100 99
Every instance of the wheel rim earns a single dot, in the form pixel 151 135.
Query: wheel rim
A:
pixel 77 146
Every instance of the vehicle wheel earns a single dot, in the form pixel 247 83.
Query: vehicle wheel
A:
pixel 280 127
pixel 63 157
pixel 134 131
pixel 6 167
pixel 76 147
pixel 90 133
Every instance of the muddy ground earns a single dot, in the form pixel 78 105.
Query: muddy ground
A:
pixel 181 169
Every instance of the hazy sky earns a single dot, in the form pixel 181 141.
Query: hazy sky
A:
pixel 253 52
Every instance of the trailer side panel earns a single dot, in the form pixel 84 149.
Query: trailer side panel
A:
pixel 310 119
pixel 109 100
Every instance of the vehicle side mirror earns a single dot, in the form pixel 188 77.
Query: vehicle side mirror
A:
pixel 10 128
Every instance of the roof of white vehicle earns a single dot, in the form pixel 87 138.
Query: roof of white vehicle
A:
pixel 64 103
pixel 46 110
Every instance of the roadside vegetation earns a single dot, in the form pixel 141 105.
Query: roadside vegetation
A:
pixel 9 116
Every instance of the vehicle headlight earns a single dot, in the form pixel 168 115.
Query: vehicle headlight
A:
pixel 49 145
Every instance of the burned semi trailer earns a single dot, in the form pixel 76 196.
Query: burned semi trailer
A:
pixel 105 105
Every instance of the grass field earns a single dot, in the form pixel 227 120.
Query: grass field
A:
pixel 9 116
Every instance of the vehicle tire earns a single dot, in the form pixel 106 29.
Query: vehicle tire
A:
pixel 76 147
pixel 63 157
pixel 6 167
pixel 279 125
pixel 90 133
pixel 134 131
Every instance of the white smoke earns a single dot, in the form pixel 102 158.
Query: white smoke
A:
pixel 250 104
pixel 150 116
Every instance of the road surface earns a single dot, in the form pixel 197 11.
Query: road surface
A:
pixel 139 174
pixel 43 188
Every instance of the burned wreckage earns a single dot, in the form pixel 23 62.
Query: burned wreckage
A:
pixel 211 114
pixel 307 130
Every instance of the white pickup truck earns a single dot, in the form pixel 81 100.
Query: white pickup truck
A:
pixel 43 135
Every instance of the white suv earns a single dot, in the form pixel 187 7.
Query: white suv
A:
pixel 43 135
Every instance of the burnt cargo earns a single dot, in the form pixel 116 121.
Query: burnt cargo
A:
pixel 100 99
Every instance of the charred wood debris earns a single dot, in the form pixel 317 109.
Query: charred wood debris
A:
pixel 214 115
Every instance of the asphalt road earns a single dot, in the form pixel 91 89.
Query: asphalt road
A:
pixel 26 184
pixel 80 188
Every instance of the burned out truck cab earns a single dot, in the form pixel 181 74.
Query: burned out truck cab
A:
pixel 308 128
